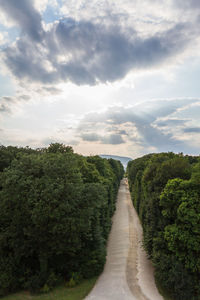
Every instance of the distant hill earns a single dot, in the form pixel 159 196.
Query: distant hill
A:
pixel 124 160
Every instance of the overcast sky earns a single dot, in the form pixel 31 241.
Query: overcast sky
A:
pixel 104 76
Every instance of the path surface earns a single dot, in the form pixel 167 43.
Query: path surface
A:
pixel 127 275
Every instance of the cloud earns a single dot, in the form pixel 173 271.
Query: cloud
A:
pixel 24 97
pixel 142 126
pixel 171 122
pixel 3 38
pixel 52 90
pixel 49 90
pixel 25 15
pixel 4 108
pixel 123 132
pixel 189 4
pixel 41 5
pixel 192 130
pixel 112 139
pixel 85 52
pixel 7 104
pixel 26 61
pixel 90 137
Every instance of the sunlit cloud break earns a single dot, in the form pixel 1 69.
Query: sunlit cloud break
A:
pixel 89 73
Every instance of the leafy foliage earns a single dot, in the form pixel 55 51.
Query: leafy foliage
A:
pixel 55 216
pixel 165 191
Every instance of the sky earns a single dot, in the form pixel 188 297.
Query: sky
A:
pixel 103 76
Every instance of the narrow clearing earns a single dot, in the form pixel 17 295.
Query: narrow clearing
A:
pixel 128 274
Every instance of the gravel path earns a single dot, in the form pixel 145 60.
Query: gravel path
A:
pixel 127 275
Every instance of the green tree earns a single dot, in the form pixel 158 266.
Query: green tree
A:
pixel 61 148
pixel 165 191
pixel 55 215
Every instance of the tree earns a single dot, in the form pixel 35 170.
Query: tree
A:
pixel 165 192
pixel 55 216
pixel 57 147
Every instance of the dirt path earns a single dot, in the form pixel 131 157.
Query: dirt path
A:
pixel 127 275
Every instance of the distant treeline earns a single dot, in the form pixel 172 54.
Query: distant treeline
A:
pixel 165 190
pixel 55 215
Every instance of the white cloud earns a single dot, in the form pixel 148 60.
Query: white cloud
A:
pixel 3 38
pixel 147 16
pixel 42 5
pixel 131 50
pixel 6 21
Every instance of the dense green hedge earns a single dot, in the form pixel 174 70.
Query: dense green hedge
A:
pixel 165 190
pixel 55 215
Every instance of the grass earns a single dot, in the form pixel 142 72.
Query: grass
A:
pixel 60 293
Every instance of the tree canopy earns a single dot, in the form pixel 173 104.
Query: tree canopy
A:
pixel 165 192
pixel 55 215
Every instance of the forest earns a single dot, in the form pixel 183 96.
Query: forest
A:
pixel 55 216
pixel 165 192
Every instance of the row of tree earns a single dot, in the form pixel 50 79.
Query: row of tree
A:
pixel 165 192
pixel 55 215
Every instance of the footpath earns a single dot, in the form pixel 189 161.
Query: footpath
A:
pixel 128 274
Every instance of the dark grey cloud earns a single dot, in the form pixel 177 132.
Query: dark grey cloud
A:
pixel 26 60
pixel 26 16
pixel 192 130
pixel 113 139
pixel 84 52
